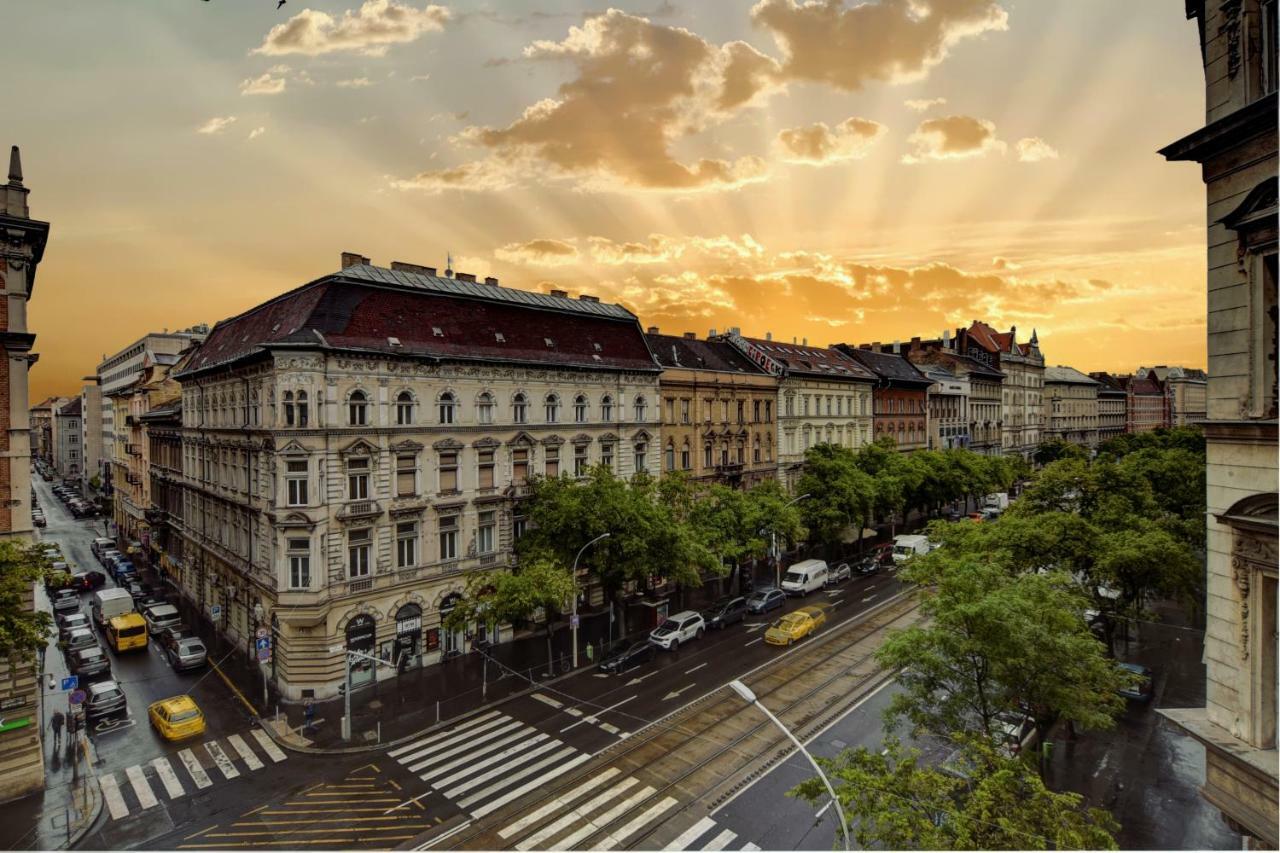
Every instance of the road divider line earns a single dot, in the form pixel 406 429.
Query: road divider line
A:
pixel 753 642
pixel 595 717
pixel 695 669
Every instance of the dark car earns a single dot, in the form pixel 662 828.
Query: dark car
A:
pixel 865 566
pixel 68 622
pixel 625 654
pixel 89 580
pixel 725 611
pixel 764 600
pixel 1143 677
pixel 187 653
pixel 883 554
pixel 91 663
pixel 105 697
pixel 37 518
pixel 66 601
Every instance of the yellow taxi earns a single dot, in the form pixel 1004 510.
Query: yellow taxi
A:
pixel 796 625
pixel 176 718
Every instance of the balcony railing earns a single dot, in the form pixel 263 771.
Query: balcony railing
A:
pixel 360 509
pixel 361 585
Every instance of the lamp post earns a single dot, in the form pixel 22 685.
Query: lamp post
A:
pixel 773 546
pixel 747 695
pixel 573 619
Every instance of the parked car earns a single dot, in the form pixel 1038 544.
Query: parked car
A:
pixel 626 654
pixel 909 545
pixel 839 574
pixel 1014 731
pixel 160 617
pixel 725 611
pixel 91 663
pixel 795 626
pixel 38 519
pixel 100 545
pixel 66 601
pixel 868 565
pixel 151 599
pixel 89 581
pixel 105 698
pixel 68 622
pixel 682 627
pixel 764 600
pixel 883 553
pixel 176 718
pixel 171 636
pixel 1143 681
pixel 79 638
pixel 804 577
pixel 188 653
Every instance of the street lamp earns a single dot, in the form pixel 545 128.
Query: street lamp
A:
pixel 773 546
pixel 748 696
pixel 573 620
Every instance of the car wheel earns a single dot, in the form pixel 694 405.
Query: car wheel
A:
pixel 699 634
pixel 675 644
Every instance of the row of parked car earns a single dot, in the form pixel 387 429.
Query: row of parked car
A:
pixel 75 503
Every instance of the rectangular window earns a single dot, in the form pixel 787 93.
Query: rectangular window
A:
pixel 449 537
pixel 520 465
pixel 685 458
pixel 448 472
pixel 706 456
pixel 724 411
pixel 671 410
pixel 553 461
pixel 684 411
pixel 357 479
pixel 706 408
pixel 768 410
pixel 359 546
pixel 484 468
pixel 404 410
pixel 406 475
pixel 641 454
pixel 742 411
pixel 606 455
pixel 406 544
pixel 299 552
pixel 486 533
pixel 519 524
pixel 670 460
pixel 296 482
pixel 755 411
pixel 520 410
pixel 580 460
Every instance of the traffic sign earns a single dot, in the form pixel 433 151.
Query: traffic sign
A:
pixel 264 654
pixel 263 644
pixel 77 697
pixel 215 611
pixel 573 621
pixel 70 682
pixel 263 632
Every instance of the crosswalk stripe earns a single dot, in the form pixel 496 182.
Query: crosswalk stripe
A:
pixel 616 841
pixel 491 730
pixel 554 703
pixel 480 796
pixel 474 721
pixel 473 766
pixel 220 758
pixel 582 812
pixel 467 744
pixel 192 764
pixel 749 846
pixel 241 747
pixel 164 770
pixel 141 787
pixel 686 838
pixel 466 756
pixel 516 793
pixel 594 825
pixel 264 740
pixel 111 793
pixel 722 840
pixel 458 790
pixel 559 802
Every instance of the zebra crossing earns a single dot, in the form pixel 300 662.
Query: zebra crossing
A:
pixel 706 834
pixel 196 761
pixel 488 761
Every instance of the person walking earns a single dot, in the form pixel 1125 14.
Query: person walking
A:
pixel 56 722
pixel 309 714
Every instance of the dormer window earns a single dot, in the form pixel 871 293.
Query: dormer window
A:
pixel 437 331
pixel 549 342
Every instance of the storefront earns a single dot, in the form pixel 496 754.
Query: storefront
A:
pixel 361 634
pixel 453 640
pixel 408 643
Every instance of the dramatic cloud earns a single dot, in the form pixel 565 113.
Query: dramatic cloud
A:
pixel 216 125
pixel 256 132
pixel 1004 263
pixel 370 30
pixel 545 252
pixel 661 248
pixel 1033 149
pixel 921 104
pixel 354 83
pixel 895 41
pixel 952 138
pixel 818 143
pixel 264 85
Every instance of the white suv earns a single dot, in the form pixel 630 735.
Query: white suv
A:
pixel 681 627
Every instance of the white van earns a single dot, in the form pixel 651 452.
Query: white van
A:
pixel 999 501
pixel 101 544
pixel 907 546
pixel 804 577
pixel 110 603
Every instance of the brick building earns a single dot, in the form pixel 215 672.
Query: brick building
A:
pixel 1148 403
pixel 985 383
pixel 900 398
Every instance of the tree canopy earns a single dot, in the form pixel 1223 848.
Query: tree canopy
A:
pixel 23 631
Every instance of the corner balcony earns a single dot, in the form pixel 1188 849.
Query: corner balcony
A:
pixel 352 510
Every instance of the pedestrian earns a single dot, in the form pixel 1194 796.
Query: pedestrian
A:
pixel 591 653
pixel 309 715
pixel 56 723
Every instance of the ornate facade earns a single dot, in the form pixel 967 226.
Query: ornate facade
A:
pixel 1070 406
pixel 900 398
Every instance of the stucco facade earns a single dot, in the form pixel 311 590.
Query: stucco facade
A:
pixel 91 433
pixel 948 407
pixel 1188 393
pixel 1070 406
pixel 1237 153
pixel 68 453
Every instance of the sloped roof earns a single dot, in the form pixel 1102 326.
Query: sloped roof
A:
pixel 673 352
pixel 1066 376
pixel 369 309
pixel 813 361
pixel 887 365
pixel 971 366
pixel 72 409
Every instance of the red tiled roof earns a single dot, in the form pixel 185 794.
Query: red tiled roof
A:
pixel 339 312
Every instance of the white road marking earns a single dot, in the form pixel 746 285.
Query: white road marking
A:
pixel 687 837
pixel 458 790
pixel 141 787
pixel 753 642
pixel 554 703
pixel 840 601
pixel 473 766
pixel 192 764
pixel 749 846
pixel 246 753
pixel 633 682
pixel 752 629
pixel 269 746
pixel 168 778
pixel 695 669
pixel 220 758
pixel 595 717
pixel 603 820
pixel 472 756
pixel 601 675
pixel 111 793
pixel 617 840
pixel 451 750
pixel 527 787
pixel 582 812
pixel 674 693
pixel 438 735
pixel 559 802
pixel 722 840
pixel 518 775
pixel 451 740
pixel 610 728
pixel 868 598
pixel 573 712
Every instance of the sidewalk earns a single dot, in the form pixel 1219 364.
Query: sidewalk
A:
pixel 57 817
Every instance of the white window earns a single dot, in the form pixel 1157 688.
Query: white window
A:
pixel 406 474
pixel 580 461
pixel 552 408
pixel 358 409
pixel 486 533
pixel 641 452
pixel 446 405
pixel 299 553
pixel 519 409
pixel 296 482
pixel 359 546
pixel 640 408
pixel 606 408
pixel 404 408
pixel 406 544
pixel 484 408
pixel 580 409
pixel 670 463
pixel 606 454
pixel 449 537
pixel 358 479
pixel 449 471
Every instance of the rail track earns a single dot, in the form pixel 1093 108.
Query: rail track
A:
pixel 641 792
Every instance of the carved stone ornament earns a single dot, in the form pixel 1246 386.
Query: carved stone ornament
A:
pixel 1249 553
pixel 1230 27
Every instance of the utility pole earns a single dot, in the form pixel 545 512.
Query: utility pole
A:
pixel 573 619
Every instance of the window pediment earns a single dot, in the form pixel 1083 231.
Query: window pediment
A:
pixel 359 447
pixel 448 444
pixel 487 441
pixel 407 445
pixel 293 448
pixel 553 441
pixel 523 438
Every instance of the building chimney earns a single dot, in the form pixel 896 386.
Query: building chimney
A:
pixel 15 167
pixel 491 281
pixel 794 340
pixel 587 297
pixel 353 259
pixel 416 269
pixel 914 341
pixel 875 345
pixel 561 293
pixel 805 342
pixel 897 347
pixel 653 330
pixel 768 336
pixel 946 339
pixel 690 336
pixel 866 347
pixel 464 276
pixel 711 334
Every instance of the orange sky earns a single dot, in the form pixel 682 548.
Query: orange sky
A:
pixel 821 170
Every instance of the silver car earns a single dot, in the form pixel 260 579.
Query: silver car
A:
pixel 187 653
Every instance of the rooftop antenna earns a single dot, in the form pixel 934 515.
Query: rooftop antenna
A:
pixel 448 265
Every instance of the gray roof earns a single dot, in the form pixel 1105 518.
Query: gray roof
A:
pixel 1066 376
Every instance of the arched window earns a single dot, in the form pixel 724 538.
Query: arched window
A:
pixel 606 408
pixel 287 405
pixel 358 409
pixel 446 405
pixel 552 408
pixel 484 408
pixel 404 408
pixel 580 409
pixel 302 408
pixel 707 461
pixel 685 461
pixel 520 409
pixel 670 461
pixel 640 409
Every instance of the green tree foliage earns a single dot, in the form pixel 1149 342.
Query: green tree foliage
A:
pixel 1055 448
pixel 539 585
pixel 982 800
pixel 23 631
pixel 841 495
pixel 1190 439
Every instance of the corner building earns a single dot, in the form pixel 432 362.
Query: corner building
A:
pixel 353 449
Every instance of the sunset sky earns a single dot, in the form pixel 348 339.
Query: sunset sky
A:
pixel 834 171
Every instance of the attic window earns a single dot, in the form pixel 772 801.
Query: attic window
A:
pixel 549 342
pixel 276 327
pixel 437 331
pixel 499 337
pixel 596 357
pixel 393 341
pixel 598 347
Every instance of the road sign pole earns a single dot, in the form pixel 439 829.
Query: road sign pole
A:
pixel 346 717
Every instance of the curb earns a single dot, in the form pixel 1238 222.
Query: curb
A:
pixel 91 822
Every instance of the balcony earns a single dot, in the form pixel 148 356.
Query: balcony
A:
pixel 518 490
pixel 360 509
pixel 360 585
pixel 132 449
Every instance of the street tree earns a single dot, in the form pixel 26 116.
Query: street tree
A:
pixel 1053 449
pixel 841 495
pixel 23 630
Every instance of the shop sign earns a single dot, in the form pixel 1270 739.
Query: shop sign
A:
pixel 408 626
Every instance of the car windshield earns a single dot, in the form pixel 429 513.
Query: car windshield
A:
pixel 794 577
pixel 193 648
pixel 103 695
pixel 669 625
pixel 903 549
pixel 184 716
